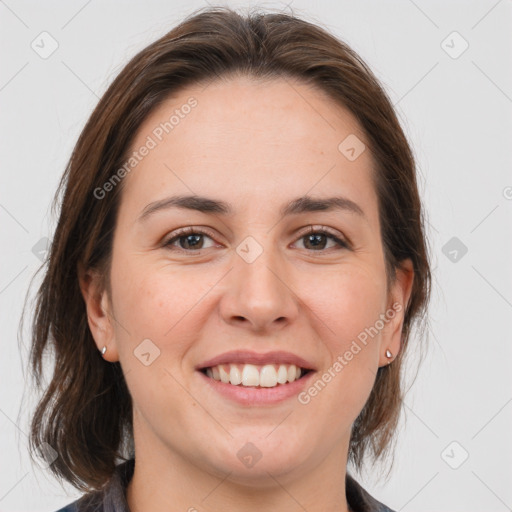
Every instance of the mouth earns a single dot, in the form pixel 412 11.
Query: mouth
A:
pixel 251 378
pixel 256 376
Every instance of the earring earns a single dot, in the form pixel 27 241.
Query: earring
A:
pixel 389 355
pixel 103 350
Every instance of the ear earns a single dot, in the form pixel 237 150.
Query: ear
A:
pixel 399 296
pixel 99 315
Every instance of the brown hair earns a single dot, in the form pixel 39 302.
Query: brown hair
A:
pixel 85 411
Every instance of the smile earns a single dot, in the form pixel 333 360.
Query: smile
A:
pixel 251 375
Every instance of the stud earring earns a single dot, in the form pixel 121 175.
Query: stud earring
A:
pixel 389 355
pixel 103 350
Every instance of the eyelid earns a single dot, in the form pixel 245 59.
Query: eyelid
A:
pixel 188 230
pixel 342 241
pixel 337 236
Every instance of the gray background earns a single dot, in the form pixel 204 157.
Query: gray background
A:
pixel 456 110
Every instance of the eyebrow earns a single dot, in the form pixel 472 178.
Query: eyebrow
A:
pixel 297 206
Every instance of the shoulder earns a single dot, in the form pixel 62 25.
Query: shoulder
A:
pixel 360 500
pixel 68 508
pixel 111 498
pixel 91 502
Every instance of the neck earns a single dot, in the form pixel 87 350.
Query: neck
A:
pixel 165 480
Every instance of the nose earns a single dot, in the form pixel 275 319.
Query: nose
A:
pixel 259 295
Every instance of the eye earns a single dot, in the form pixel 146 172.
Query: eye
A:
pixel 191 239
pixel 188 239
pixel 315 238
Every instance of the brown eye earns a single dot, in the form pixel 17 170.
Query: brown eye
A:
pixel 188 239
pixel 317 240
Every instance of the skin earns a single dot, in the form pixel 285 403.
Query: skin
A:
pixel 255 145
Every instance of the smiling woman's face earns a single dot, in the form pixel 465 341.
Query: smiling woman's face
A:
pixel 251 279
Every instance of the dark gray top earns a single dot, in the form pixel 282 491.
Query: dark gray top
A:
pixel 113 497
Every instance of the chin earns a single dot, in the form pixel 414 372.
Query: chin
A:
pixel 254 463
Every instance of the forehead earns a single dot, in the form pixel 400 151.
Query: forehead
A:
pixel 249 139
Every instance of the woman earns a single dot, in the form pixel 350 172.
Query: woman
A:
pixel 238 264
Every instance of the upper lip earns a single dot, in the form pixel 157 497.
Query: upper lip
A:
pixel 248 356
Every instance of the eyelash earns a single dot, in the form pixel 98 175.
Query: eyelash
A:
pixel 312 230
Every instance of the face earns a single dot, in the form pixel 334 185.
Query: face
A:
pixel 248 276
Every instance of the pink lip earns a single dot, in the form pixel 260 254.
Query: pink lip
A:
pixel 247 356
pixel 246 395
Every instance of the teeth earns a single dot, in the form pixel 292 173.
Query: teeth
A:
pixel 291 373
pixel 282 374
pixel 266 376
pixel 250 375
pixel 234 375
pixel 224 375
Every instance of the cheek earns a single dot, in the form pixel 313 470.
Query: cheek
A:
pixel 348 303
pixel 142 304
pixel 156 303
pixel 153 305
pixel 348 306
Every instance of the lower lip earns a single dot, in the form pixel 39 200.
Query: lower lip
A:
pixel 247 395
